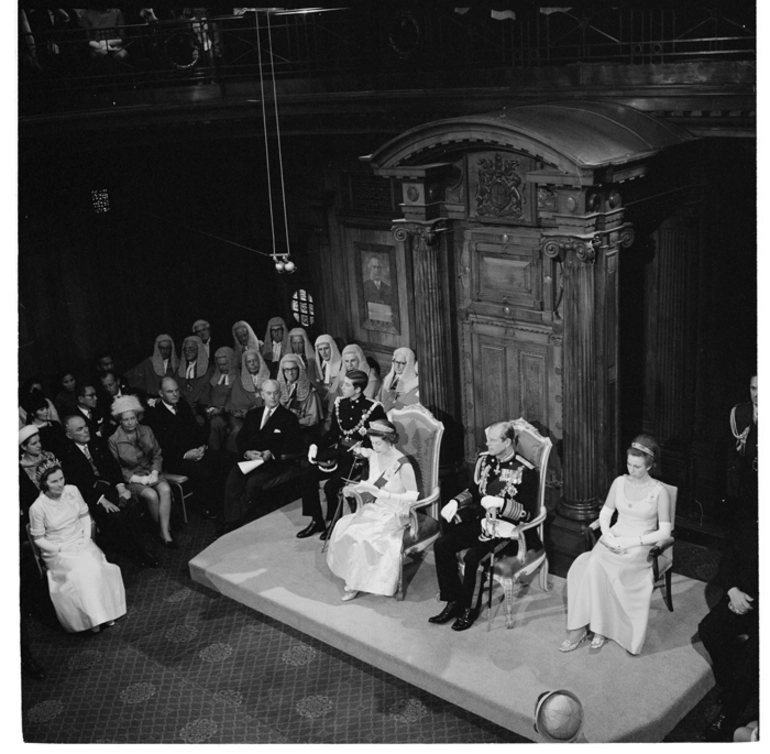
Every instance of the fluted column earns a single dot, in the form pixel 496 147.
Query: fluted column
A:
pixel 590 400
pixel 433 344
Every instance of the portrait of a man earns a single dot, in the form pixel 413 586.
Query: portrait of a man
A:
pixel 376 289
pixel 378 292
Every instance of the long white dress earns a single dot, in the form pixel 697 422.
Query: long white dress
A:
pixel 85 589
pixel 365 546
pixel 610 592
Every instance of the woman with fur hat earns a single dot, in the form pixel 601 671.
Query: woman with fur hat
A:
pixel 137 451
pixel 365 546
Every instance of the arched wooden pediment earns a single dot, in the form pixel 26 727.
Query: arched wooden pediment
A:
pixel 575 137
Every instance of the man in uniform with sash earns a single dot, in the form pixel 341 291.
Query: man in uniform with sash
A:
pixel 483 518
pixel 352 414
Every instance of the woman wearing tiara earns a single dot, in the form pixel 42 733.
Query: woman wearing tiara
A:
pixel 609 588
pixel 365 546
pixel 87 591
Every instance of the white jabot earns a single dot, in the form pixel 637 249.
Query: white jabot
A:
pixel 277 350
pixel 223 380
pixel 165 365
pixel 327 369
pixel 254 379
pixel 190 374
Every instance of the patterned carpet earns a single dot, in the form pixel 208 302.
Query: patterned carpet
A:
pixel 187 665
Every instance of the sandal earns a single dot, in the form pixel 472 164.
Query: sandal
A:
pixel 568 646
pixel 598 642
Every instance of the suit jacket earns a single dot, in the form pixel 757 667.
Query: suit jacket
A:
pixel 96 420
pixel 281 435
pixel 77 470
pixel 175 433
pixel 382 296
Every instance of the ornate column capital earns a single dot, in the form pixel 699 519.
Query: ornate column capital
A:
pixel 584 247
pixel 424 231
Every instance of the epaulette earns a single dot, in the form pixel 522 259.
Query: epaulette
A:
pixel 524 462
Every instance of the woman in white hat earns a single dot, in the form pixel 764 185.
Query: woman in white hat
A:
pixel 139 455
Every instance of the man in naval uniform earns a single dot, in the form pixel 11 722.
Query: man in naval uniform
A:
pixel 503 494
pixel 352 414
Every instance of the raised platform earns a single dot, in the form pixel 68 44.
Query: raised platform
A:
pixel 497 674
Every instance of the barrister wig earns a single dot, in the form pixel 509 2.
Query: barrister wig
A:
pixel 335 358
pixel 267 348
pixel 125 403
pixel 408 379
pixel 201 362
pixel 233 369
pixel 302 389
pixel 157 359
pixel 263 374
pixel 253 341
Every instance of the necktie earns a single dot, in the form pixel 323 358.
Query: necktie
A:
pixel 87 454
pixel 265 418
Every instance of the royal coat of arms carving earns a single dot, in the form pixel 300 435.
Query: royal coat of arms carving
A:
pixel 497 188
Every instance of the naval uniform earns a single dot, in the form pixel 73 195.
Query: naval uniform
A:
pixel 516 481
pixel 743 475
pixel 351 418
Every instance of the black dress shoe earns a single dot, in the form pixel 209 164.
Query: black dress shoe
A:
pixel 31 667
pixel 451 610
pixel 465 621
pixel 312 528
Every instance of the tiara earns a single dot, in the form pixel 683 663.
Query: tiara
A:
pixel 642 448
pixel 379 426
pixel 49 463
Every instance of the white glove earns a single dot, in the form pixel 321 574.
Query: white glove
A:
pixel 497 529
pixel 490 501
pixel 449 510
pixel 153 477
pixel 312 452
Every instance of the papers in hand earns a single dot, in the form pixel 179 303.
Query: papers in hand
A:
pixel 249 466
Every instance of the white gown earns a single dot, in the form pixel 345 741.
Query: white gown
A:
pixel 85 589
pixel 365 546
pixel 611 591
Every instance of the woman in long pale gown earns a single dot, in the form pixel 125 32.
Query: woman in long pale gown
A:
pixel 365 546
pixel 609 588
pixel 87 591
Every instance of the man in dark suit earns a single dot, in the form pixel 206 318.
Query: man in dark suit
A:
pixel 269 433
pixel 183 441
pixel 87 405
pixel 376 289
pixel 89 465
pixel 730 632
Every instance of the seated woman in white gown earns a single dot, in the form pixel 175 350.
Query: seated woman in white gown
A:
pixel 87 591
pixel 609 588
pixel 365 546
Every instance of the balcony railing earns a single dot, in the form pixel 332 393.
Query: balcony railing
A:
pixel 373 47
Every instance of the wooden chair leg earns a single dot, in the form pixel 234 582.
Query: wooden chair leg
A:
pixel 669 601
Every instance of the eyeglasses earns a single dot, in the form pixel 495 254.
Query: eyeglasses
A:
pixel 291 369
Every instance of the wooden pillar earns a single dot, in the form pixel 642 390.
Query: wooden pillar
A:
pixel 590 452
pixel 433 343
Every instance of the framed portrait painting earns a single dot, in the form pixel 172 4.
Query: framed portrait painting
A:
pixel 377 285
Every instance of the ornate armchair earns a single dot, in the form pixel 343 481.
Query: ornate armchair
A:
pixel 510 569
pixel 419 438
pixel 661 555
